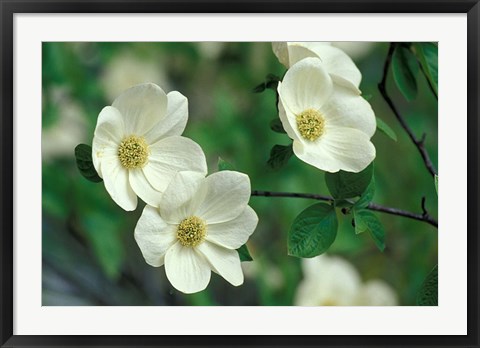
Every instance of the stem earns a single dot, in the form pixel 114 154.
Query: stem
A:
pixel 419 143
pixel 425 217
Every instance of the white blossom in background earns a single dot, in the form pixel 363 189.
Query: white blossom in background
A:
pixel 336 62
pixel 211 49
pixel 357 50
pixel 137 148
pixel 197 227
pixel 330 124
pixel 70 129
pixel 126 69
pixel 332 281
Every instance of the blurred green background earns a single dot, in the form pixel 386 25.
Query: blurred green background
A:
pixel 89 254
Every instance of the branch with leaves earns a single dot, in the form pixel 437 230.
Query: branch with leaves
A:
pixel 424 216
pixel 405 69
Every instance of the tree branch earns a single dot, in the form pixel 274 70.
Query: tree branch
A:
pixel 419 143
pixel 424 217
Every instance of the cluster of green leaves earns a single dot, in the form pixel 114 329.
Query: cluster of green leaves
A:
pixel 315 229
pixel 407 60
pixel 410 58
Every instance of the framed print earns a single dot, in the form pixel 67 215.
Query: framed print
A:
pixel 231 173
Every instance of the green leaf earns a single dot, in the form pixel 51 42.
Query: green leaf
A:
pixel 313 231
pixel 83 156
pixel 348 185
pixel 244 253
pixel 367 97
pixel 279 156
pixel 385 129
pixel 224 165
pixel 428 294
pixel 436 183
pixel 365 220
pixel 271 82
pixel 427 53
pixel 405 71
pixel 367 195
pixel 360 224
pixel 277 126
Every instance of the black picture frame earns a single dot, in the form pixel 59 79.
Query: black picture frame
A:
pixel 10 7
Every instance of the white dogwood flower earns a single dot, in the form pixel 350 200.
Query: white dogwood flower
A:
pixel 338 64
pixel 197 227
pixel 332 281
pixel 137 147
pixel 330 124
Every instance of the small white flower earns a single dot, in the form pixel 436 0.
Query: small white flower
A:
pixel 197 227
pixel 332 281
pixel 69 130
pixel 337 63
pixel 127 69
pixel 330 125
pixel 376 293
pixel 137 147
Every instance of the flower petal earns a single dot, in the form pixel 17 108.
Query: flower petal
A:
pixel 328 281
pixel 174 121
pixel 142 107
pixel 376 293
pixel 306 85
pixel 224 262
pixel 142 187
pixel 154 236
pixel 337 63
pixel 300 50
pixel 340 148
pixel 187 270
pixel 115 177
pixel 348 109
pixel 280 49
pixel 234 233
pixel 288 121
pixel 109 132
pixel 178 199
pixel 170 156
pixel 223 196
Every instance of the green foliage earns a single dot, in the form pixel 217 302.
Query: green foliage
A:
pixel 436 183
pixel 279 156
pixel 365 220
pixel 271 82
pixel 313 231
pixel 367 195
pixel 227 120
pixel 224 165
pixel 428 294
pixel 277 126
pixel 348 185
pixel 83 156
pixel 385 129
pixel 102 232
pixel 244 253
pixel 405 71
pixel 427 54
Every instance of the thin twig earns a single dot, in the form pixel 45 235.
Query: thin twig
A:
pixel 425 217
pixel 419 143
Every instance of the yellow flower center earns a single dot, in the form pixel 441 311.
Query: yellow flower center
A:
pixel 311 124
pixel 133 152
pixel 191 231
